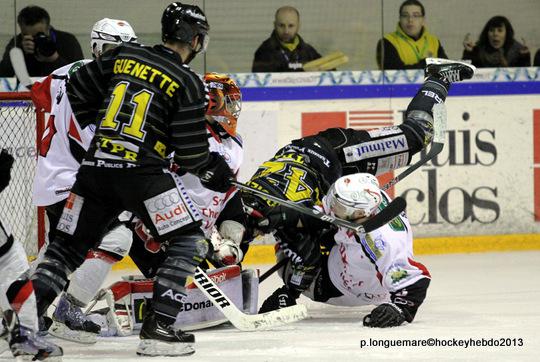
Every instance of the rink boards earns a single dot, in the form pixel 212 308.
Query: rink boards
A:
pixel 481 193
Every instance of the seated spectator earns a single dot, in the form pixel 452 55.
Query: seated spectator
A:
pixel 285 50
pixel 45 48
pixel 537 59
pixel 411 43
pixel 497 46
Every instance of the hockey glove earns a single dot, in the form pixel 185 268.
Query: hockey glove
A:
pixel 224 251
pixel 216 174
pixel 385 315
pixel 278 217
pixel 6 162
pixel 281 298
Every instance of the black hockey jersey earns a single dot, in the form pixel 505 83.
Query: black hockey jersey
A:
pixel 146 104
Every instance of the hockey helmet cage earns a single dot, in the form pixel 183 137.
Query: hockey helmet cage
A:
pixel 355 196
pixel 225 101
pixel 183 22
pixel 110 31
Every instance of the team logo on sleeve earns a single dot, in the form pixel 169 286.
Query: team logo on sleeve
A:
pixel 168 211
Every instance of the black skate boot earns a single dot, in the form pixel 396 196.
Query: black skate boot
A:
pixel 158 339
pixel 70 323
pixel 451 70
pixel 24 343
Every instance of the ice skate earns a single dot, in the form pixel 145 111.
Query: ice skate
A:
pixel 70 323
pixel 452 70
pixel 160 340
pixel 26 345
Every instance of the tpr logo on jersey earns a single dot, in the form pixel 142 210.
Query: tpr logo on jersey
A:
pixel 168 211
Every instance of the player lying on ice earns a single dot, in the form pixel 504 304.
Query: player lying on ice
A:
pixel 302 171
pixel 376 268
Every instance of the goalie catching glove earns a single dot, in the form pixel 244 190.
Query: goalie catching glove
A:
pixel 226 243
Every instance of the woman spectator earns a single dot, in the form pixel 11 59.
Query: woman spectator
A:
pixel 496 46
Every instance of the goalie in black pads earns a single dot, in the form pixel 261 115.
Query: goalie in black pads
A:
pixel 303 171
pixel 147 103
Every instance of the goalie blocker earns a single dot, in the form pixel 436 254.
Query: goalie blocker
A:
pixel 126 302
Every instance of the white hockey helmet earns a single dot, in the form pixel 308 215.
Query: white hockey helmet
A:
pixel 110 31
pixel 354 196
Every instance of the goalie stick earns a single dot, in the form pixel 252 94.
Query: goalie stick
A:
pixel 393 209
pixel 439 131
pixel 242 321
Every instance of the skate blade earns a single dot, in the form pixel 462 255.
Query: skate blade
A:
pixel 24 358
pixel 153 347
pixel 60 330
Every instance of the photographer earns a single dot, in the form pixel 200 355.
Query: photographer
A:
pixel 45 48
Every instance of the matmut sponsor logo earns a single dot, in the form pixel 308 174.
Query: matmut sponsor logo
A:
pixel 375 148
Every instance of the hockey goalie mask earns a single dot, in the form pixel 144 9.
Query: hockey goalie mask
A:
pixel 354 196
pixel 225 101
pixel 110 31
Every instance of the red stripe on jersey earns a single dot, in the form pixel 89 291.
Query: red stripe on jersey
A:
pixel 41 94
pixel 98 254
pixel 73 131
pixel 22 296
pixel 420 266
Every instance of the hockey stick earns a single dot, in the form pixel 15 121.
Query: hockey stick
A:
pixel 16 57
pixel 242 321
pixel 388 213
pixel 439 131
pixel 273 269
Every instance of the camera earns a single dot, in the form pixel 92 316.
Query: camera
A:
pixel 44 44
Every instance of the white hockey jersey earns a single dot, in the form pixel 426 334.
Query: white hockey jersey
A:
pixel 63 144
pixel 211 203
pixel 367 267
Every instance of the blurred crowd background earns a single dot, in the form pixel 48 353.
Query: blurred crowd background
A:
pixel 238 27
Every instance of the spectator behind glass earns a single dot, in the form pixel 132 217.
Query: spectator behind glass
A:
pixel 497 46
pixel 411 43
pixel 285 50
pixel 537 59
pixel 45 48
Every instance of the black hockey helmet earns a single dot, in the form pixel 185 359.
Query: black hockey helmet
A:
pixel 183 22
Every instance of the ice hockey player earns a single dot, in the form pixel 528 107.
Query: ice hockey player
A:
pixel 365 269
pixel 17 298
pixel 147 103
pixel 223 217
pixel 304 170
pixel 61 151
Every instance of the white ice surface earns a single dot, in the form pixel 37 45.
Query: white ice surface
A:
pixel 487 295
